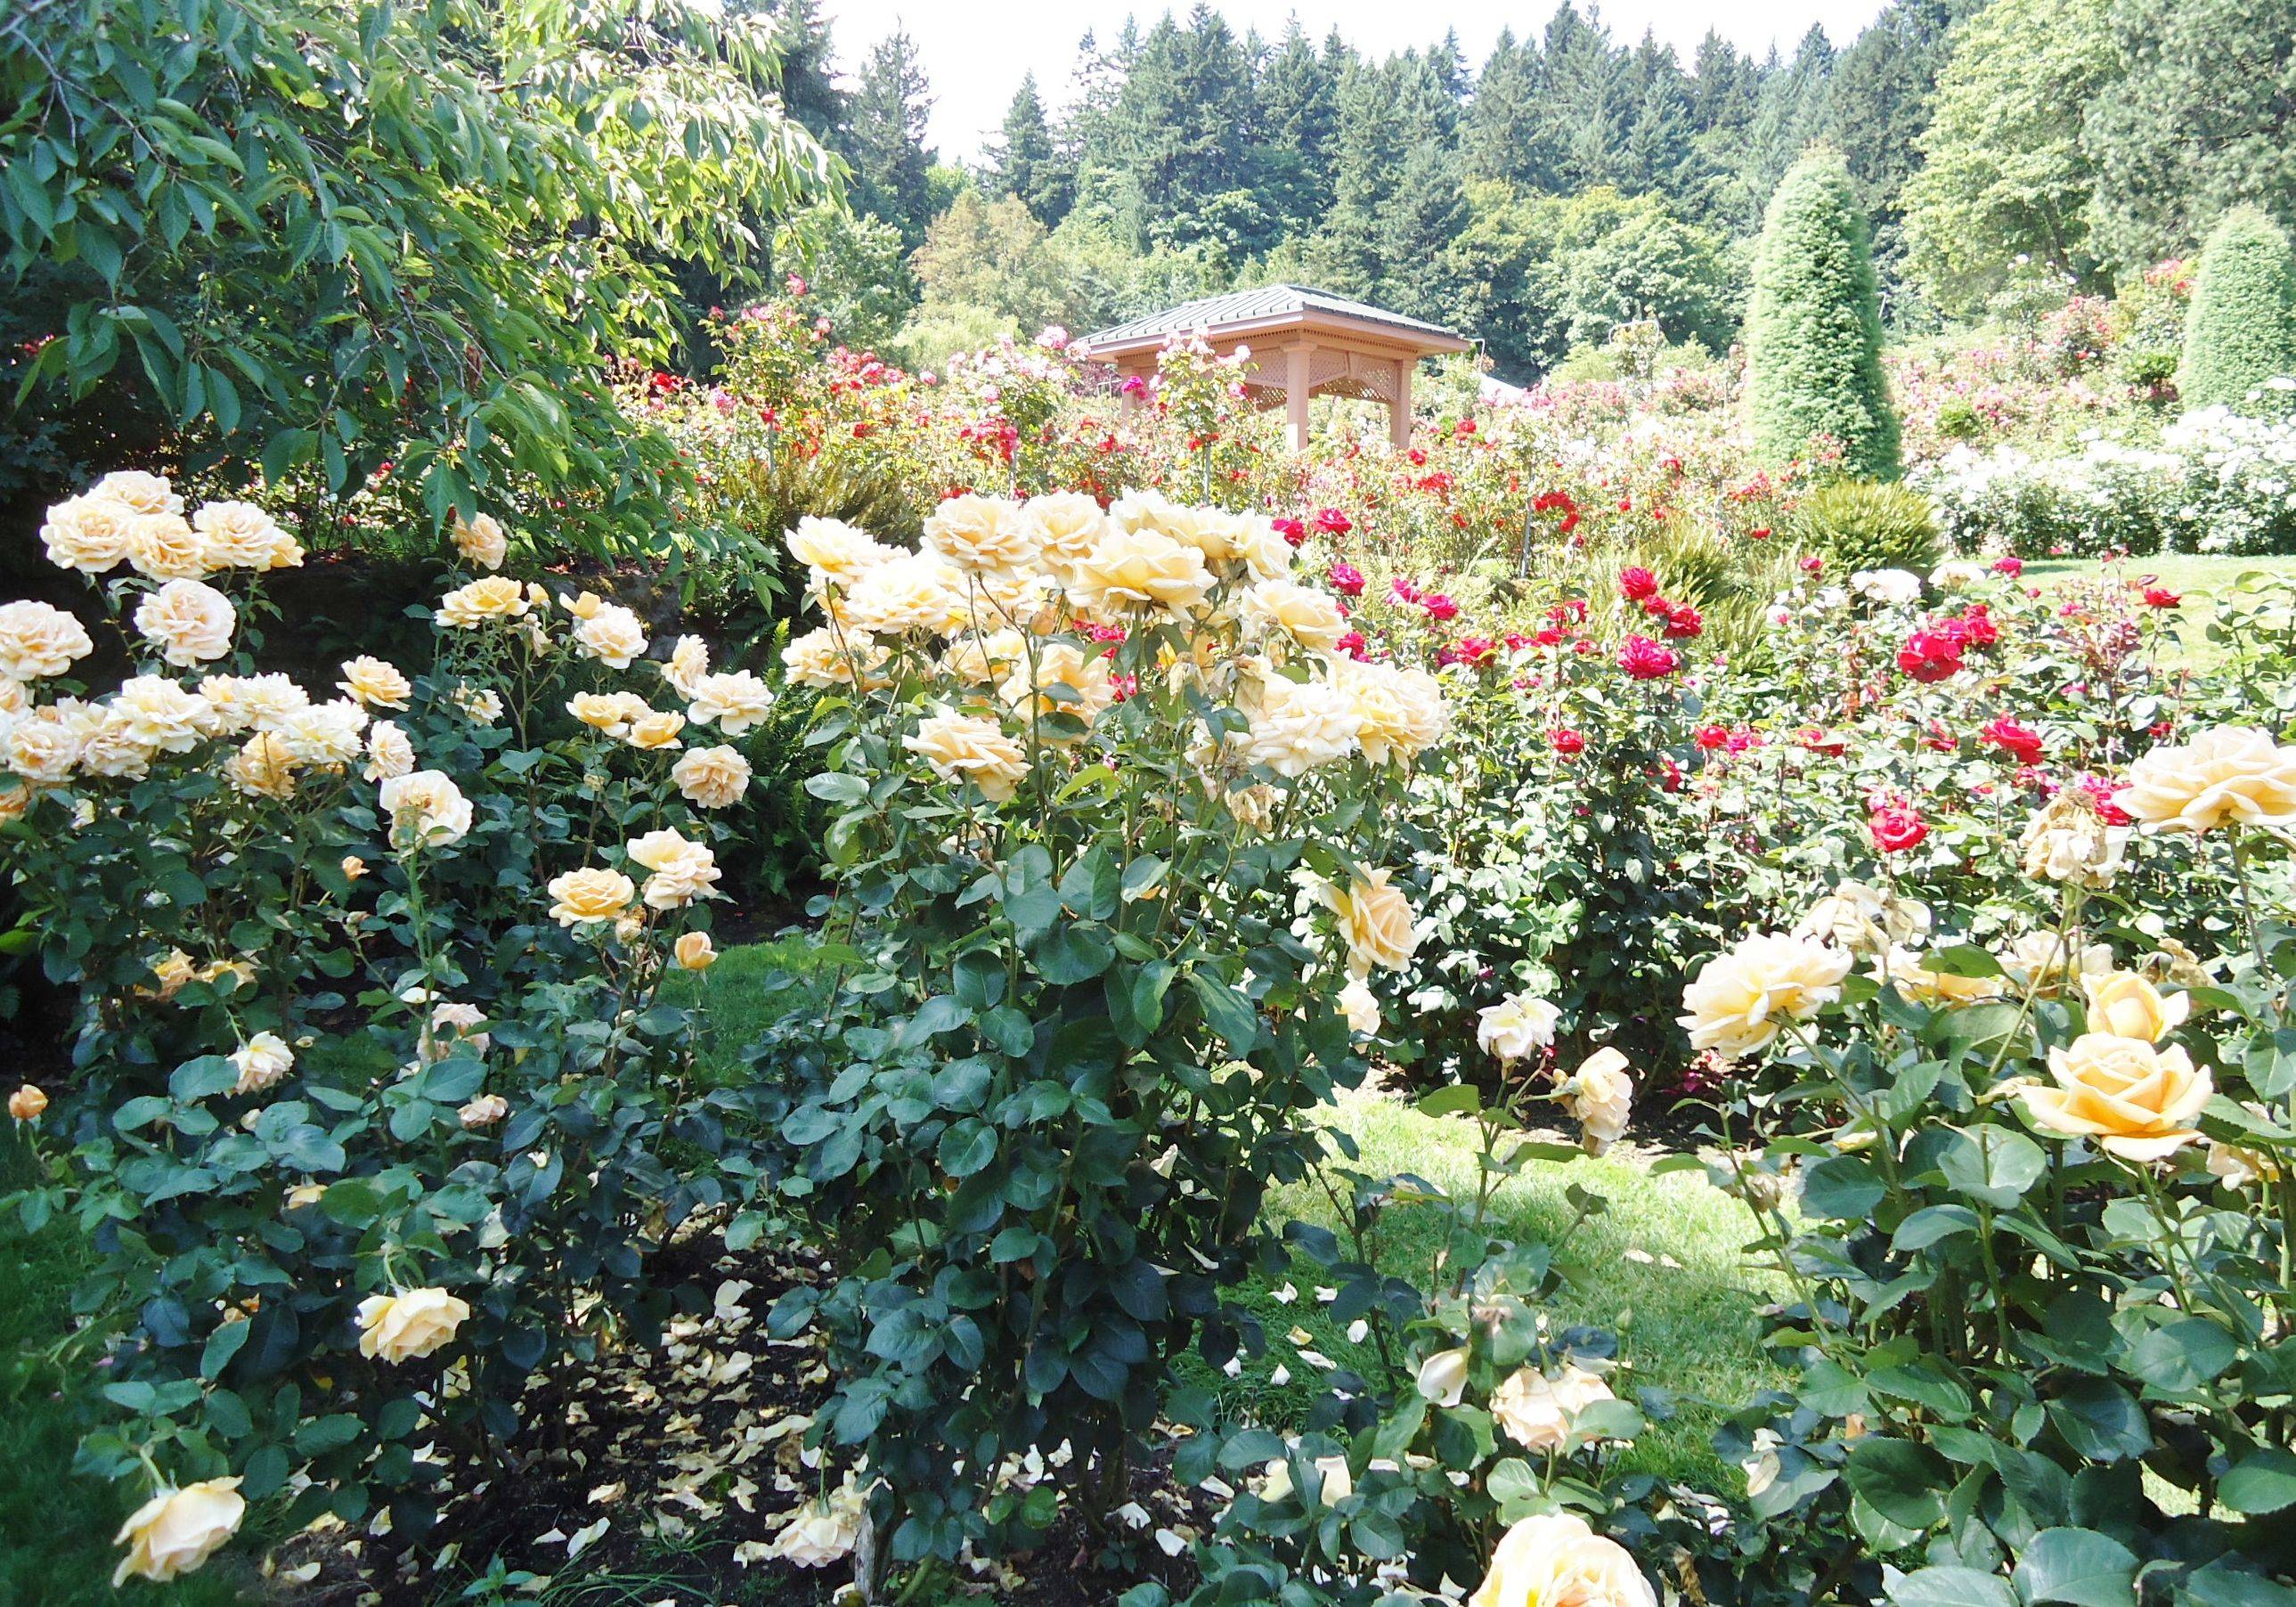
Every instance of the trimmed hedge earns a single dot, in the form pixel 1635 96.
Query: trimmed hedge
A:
pixel 2241 329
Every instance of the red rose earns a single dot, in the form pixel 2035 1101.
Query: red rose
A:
pixel 1759 533
pixel 1440 608
pixel 1818 740
pixel 1345 579
pixel 2160 596
pixel 1404 590
pixel 1646 660
pixel 1813 565
pixel 1710 737
pixel 1352 644
pixel 1930 655
pixel 1330 521
pixel 2011 567
pixel 1896 827
pixel 1636 583
pixel 1567 741
pixel 2023 743
pixel 1294 531
pixel 1684 620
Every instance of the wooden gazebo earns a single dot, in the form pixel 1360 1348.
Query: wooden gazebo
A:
pixel 1303 343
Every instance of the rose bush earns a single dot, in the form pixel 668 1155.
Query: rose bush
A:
pixel 375 1104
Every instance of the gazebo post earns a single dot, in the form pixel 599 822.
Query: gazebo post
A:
pixel 1398 411
pixel 1297 378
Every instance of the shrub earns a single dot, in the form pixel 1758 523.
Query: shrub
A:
pixel 2241 329
pixel 1814 329
pixel 373 1096
pixel 1100 798
pixel 1868 525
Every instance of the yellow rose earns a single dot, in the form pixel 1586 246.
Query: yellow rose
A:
pixel 608 713
pixel 585 897
pixel 908 592
pixel 26 1102
pixel 1130 570
pixel 695 952
pixel 375 682
pixel 1063 526
pixel 735 701
pixel 137 492
pixel 820 658
pixel 2135 1100
pixel 1557 1561
pixel 178 1530
pixel 688 662
pixel 1601 1095
pixel 263 1061
pixel 612 635
pixel 161 715
pixel 426 809
pixel 961 748
pixel 712 777
pixel 2125 1004
pixel 683 870
pixel 240 535
pixel 1741 1000
pixel 979 533
pixel 2228 774
pixel 493 598
pixel 263 768
pixel 1298 725
pixel 388 753
pixel 1060 664
pixel 1360 1005
pixel 1377 923
pixel 836 552
pixel 1518 1024
pixel 406 1325
pixel 1309 617
pixel 38 639
pixel 324 733
pixel 656 732
pixel 481 540
pixel 87 533
pixel 1400 713
pixel 164 546
pixel 1903 966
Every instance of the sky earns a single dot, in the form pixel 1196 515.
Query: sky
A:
pixel 975 53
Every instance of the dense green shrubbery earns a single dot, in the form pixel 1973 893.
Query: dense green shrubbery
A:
pixel 1868 525
pixel 1814 329
pixel 2241 330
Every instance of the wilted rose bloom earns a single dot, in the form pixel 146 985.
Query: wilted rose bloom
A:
pixel 824 1531
pixel 483 1111
pixel 1864 919
pixel 178 1530
pixel 1601 1096
pixel 2068 840
pixel 409 1324
pixel 2135 1100
pixel 26 1102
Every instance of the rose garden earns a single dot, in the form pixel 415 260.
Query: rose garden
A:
pixel 654 957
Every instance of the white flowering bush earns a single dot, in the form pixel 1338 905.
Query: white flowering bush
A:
pixel 2217 482
pixel 374 1093
pixel 1111 833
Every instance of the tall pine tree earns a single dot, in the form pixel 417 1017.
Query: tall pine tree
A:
pixel 885 139
pixel 1299 131
pixel 1023 164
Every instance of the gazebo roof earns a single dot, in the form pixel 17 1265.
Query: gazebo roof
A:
pixel 1270 308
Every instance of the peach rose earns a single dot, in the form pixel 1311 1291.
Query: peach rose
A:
pixel 178 1530
pixel 409 1324
pixel 1557 1561
pixel 38 639
pixel 1377 923
pixel 1309 617
pixel 483 601
pixel 240 535
pixel 2228 774
pixel 682 871
pixel 480 540
pixel 2126 1005
pixel 86 533
pixel 263 1061
pixel 715 778
pixel 164 546
pixel 906 592
pixel 837 552
pixel 585 898
pixel 1131 570
pixel 426 809
pixel 2137 1101
pixel 735 701
pixel 1298 725
pixel 961 748
pixel 695 952
pixel 1740 1000
pixel 375 682
pixel 979 533
pixel 612 635
pixel 26 1102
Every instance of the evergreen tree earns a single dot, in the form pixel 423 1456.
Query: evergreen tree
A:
pixel 2241 329
pixel 1185 121
pixel 1506 135
pixel 1427 208
pixel 885 139
pixel 1346 254
pixel 809 84
pixel 1790 112
pixel 2004 175
pixel 1814 330
pixel 1659 154
pixel 1879 107
pixel 1023 164
pixel 1299 126
pixel 2205 117
pixel 1587 100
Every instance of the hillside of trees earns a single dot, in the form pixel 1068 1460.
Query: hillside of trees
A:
pixel 1566 182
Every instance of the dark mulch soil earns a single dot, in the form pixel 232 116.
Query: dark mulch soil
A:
pixel 684 1460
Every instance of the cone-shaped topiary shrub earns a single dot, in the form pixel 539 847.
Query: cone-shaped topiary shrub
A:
pixel 2241 329
pixel 1813 332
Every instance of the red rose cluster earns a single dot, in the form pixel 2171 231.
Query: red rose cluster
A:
pixel 1935 651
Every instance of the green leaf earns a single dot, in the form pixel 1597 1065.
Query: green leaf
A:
pixel 1226 1011
pixel 2077 1565
pixel 222 1345
pixel 2100 1419
pixel 200 1079
pixel 1844 1188
pixel 2183 1358
pixel 1991 1164
pixel 2265 1483
pixel 1903 1481
pixel 1460 1099
pixel 1951 1587
pixel 967 1146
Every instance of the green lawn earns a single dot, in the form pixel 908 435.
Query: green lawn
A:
pixel 2196 577
pixel 1688 1328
